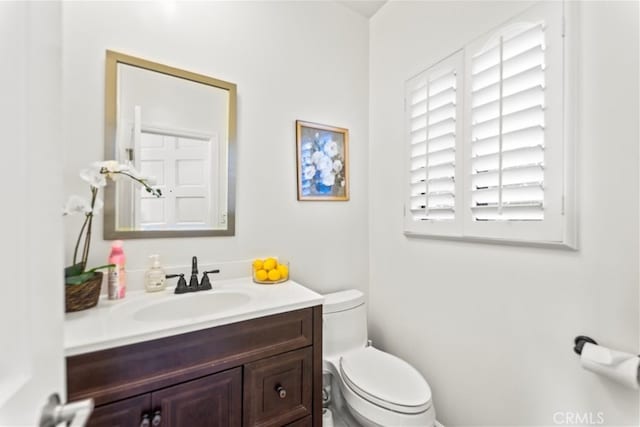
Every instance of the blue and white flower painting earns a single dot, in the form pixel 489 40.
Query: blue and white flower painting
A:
pixel 322 169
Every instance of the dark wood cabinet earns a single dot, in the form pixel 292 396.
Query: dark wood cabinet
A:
pixel 260 372
pixel 214 400
pixel 126 413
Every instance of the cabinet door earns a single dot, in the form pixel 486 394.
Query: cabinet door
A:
pixel 126 413
pixel 277 390
pixel 211 401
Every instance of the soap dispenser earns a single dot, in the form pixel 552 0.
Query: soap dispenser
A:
pixel 155 279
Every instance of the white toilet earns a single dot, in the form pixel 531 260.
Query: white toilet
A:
pixel 378 388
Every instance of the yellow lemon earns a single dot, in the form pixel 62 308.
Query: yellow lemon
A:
pixel 284 271
pixel 257 264
pixel 269 264
pixel 261 275
pixel 274 275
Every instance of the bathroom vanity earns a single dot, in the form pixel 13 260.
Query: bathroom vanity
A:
pixel 171 360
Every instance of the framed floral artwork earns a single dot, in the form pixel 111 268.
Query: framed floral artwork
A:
pixel 323 161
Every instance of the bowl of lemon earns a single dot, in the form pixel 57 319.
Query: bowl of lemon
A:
pixel 270 271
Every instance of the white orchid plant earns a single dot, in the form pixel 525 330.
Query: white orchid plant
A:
pixel 96 176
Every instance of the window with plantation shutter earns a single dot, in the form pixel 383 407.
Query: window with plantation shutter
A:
pixel 433 132
pixel 507 127
pixel 490 159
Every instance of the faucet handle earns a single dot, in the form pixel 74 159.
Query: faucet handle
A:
pixel 182 284
pixel 205 285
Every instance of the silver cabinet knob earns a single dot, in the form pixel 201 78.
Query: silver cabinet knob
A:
pixel 157 419
pixel 146 422
pixel 282 392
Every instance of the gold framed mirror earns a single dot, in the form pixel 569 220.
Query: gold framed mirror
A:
pixel 178 128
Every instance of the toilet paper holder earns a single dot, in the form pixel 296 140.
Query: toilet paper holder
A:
pixel 626 371
pixel 580 341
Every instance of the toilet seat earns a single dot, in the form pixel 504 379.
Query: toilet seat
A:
pixel 385 380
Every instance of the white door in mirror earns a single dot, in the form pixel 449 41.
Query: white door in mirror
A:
pixel 181 166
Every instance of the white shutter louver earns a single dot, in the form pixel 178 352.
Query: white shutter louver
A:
pixel 432 114
pixel 508 127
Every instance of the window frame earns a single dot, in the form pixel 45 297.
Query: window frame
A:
pixel 559 227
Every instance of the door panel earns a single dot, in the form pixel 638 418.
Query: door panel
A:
pixel 182 166
pixel 212 401
pixel 31 301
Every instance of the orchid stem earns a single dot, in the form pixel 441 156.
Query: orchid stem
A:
pixel 85 230
pixel 75 251
pixel 87 239
pixel 141 181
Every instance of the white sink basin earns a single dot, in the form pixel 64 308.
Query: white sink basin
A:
pixel 191 305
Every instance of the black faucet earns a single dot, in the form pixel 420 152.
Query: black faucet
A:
pixel 193 285
pixel 193 282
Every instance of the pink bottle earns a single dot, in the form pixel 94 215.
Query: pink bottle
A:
pixel 117 278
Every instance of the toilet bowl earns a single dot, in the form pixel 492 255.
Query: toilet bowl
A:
pixel 379 389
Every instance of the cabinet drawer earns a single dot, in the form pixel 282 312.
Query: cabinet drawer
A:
pixel 278 390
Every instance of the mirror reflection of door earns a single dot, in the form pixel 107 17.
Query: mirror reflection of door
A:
pixel 181 166
pixel 175 131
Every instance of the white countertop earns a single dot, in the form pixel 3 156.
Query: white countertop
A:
pixel 122 322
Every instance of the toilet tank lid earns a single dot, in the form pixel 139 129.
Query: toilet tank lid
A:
pixel 343 300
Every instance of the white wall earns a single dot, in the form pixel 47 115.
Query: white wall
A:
pixel 290 60
pixel 491 327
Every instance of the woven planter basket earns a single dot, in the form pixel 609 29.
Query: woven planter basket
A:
pixel 83 296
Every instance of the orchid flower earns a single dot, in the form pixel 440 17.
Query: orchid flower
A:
pixel 77 205
pixel 97 176
pixel 93 177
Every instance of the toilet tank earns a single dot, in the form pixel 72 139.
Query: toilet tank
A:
pixel 344 322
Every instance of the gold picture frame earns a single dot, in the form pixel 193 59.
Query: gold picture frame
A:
pixel 322 162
